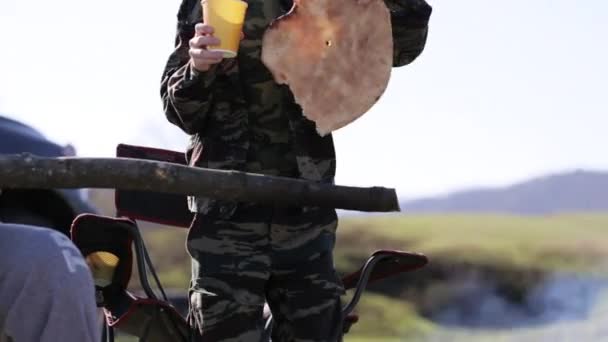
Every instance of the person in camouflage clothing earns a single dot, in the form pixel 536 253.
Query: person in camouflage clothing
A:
pixel 238 118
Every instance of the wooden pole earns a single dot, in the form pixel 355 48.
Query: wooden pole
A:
pixel 28 171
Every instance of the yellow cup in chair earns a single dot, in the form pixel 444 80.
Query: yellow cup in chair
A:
pixel 102 265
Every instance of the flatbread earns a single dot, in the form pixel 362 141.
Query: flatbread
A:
pixel 335 55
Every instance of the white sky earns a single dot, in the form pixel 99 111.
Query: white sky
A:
pixel 505 90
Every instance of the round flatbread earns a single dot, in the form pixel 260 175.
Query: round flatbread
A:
pixel 335 55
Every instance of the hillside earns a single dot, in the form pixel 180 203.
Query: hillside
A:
pixel 578 191
pixel 487 273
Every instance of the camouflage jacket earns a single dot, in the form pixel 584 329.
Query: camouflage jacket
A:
pixel 214 107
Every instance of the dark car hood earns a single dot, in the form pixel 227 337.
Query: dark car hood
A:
pixel 16 137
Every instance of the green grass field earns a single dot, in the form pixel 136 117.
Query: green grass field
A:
pixel 574 242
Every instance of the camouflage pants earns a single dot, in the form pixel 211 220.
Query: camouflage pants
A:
pixel 282 257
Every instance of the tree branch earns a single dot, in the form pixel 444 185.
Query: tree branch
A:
pixel 28 171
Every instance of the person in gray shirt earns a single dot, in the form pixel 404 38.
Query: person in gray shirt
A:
pixel 46 288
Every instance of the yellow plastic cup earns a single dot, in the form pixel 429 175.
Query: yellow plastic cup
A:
pixel 226 17
pixel 102 265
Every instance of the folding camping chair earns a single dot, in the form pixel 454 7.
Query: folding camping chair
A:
pixel 106 243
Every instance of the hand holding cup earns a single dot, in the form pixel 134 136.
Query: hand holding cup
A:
pixel 201 58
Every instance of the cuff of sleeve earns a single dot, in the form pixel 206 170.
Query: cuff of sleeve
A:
pixel 193 84
pixel 203 79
